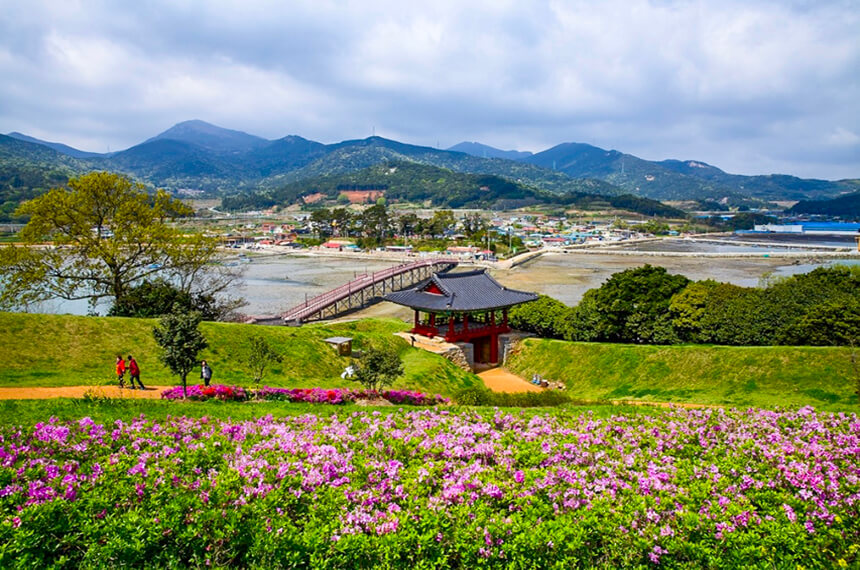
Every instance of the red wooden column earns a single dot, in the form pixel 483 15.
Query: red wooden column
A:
pixel 417 318
pixel 433 320
pixel 494 348
pixel 493 319
pixel 465 323
pixel 505 318
pixel 451 325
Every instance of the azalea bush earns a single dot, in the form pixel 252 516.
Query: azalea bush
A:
pixel 435 488
pixel 213 392
pixel 304 395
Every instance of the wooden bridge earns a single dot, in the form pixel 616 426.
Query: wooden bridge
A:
pixel 366 289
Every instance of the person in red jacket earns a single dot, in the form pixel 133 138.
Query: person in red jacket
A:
pixel 134 372
pixel 120 370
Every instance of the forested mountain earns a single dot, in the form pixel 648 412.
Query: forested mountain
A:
pixel 847 206
pixel 59 147
pixel 679 180
pixel 350 156
pixel 27 169
pixel 211 137
pixel 414 182
pixel 201 156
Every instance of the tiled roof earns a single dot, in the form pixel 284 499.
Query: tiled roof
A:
pixel 464 291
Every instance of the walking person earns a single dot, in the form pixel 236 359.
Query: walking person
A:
pixel 205 373
pixel 134 373
pixel 120 371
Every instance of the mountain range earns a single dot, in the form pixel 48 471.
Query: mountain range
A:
pixel 198 155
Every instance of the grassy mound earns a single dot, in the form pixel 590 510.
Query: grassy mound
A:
pixel 736 376
pixel 64 350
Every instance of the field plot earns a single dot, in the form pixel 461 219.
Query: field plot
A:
pixel 435 488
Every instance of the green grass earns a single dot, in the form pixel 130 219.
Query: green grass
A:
pixel 734 376
pixel 64 350
pixel 26 413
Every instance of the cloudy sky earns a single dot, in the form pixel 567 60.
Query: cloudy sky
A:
pixel 750 86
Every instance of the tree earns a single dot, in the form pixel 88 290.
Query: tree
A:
pixel 160 297
pixel 260 354
pixel 546 317
pixel 628 307
pixel 378 368
pixel 180 339
pixel 106 234
pixel 375 222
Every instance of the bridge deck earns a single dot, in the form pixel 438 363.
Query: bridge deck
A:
pixel 317 305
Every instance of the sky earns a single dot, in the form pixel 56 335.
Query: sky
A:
pixel 753 87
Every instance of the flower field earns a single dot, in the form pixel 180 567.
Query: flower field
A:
pixel 436 488
pixel 302 395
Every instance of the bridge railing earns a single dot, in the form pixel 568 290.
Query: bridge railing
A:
pixel 325 299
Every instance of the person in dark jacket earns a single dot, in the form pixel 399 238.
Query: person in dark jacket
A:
pixel 134 373
pixel 205 373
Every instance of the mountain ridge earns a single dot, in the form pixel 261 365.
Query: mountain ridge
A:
pixel 196 154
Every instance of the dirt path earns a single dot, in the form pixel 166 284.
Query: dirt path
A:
pixel 500 380
pixel 43 393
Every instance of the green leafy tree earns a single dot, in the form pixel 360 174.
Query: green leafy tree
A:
pixel 442 221
pixel 321 222
pixel 106 233
pixel 375 222
pixel 626 308
pixel 407 224
pixel 160 297
pixel 378 368
pixel 180 339
pixel 546 317
pixel 259 356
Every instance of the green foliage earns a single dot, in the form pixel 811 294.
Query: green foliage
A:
pixel 835 323
pixel 180 340
pixel 260 355
pixel 702 374
pixel 418 183
pixel 107 233
pixel 159 297
pixel 628 307
pixel 842 206
pixel 473 396
pixel 378 368
pixel 545 317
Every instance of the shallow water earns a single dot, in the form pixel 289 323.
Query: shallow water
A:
pixel 272 285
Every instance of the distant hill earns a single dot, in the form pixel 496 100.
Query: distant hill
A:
pixel 59 147
pixel 353 155
pixel 422 183
pixel 27 169
pixel 211 137
pixel 678 180
pixel 198 155
pixel 847 206
pixel 484 151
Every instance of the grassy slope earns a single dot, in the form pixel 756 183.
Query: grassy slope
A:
pixel 63 350
pixel 738 376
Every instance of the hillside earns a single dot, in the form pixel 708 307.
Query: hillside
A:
pixel 845 207
pixel 486 151
pixel 27 169
pixel 414 182
pixel 64 350
pixel 723 375
pixel 198 155
pixel 679 180
pixel 350 156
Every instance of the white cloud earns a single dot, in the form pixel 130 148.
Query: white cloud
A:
pixel 747 86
